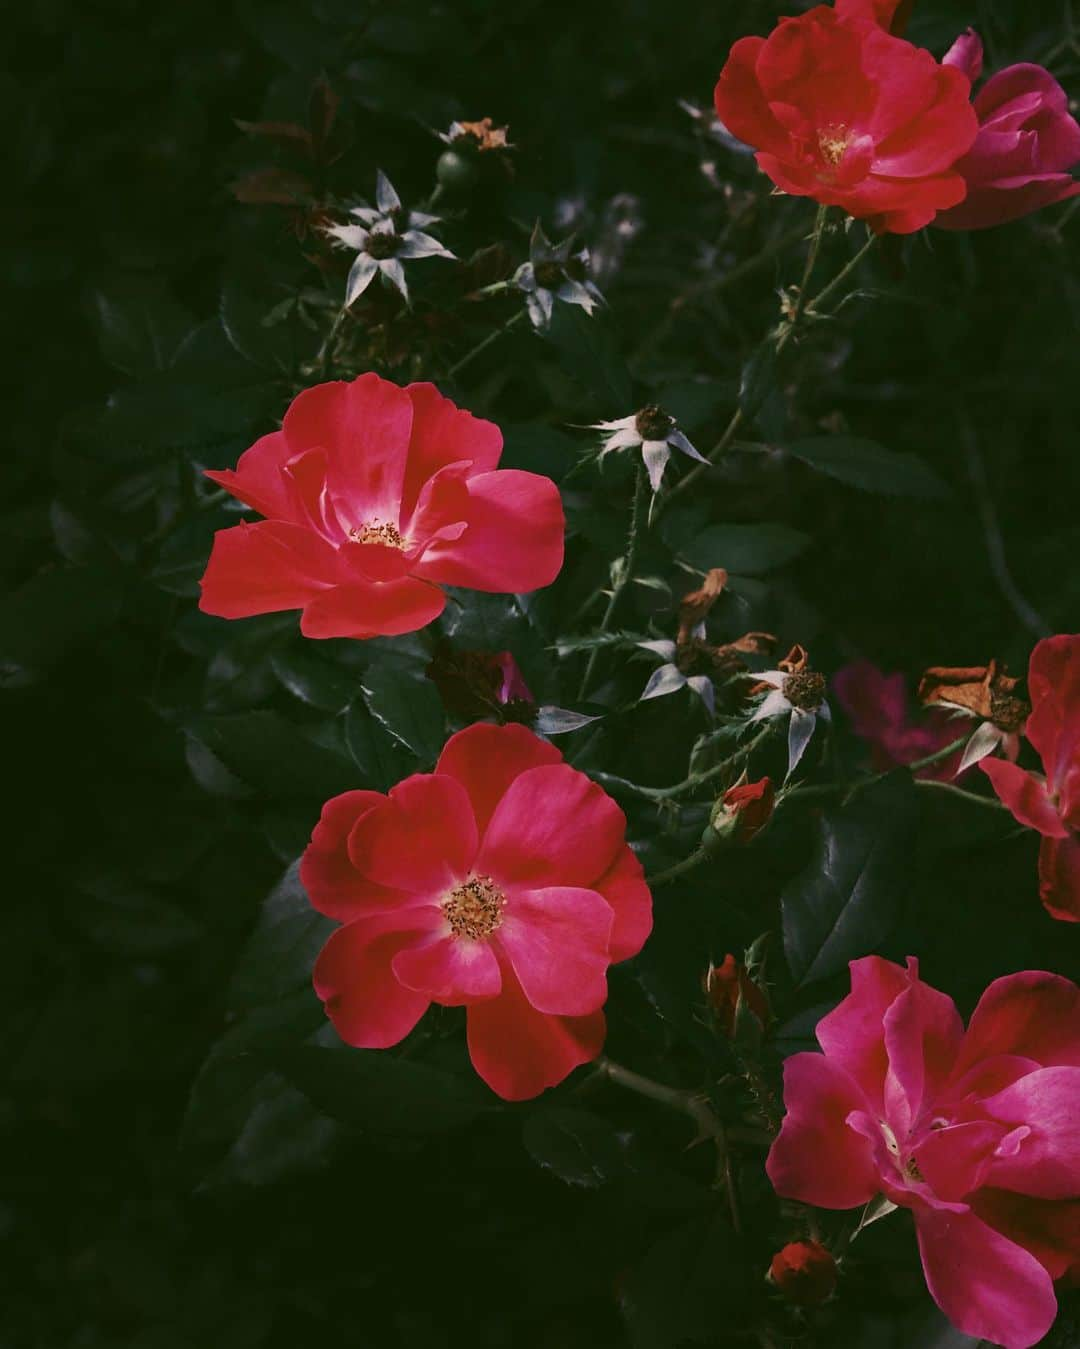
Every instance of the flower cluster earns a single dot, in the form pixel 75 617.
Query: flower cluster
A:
pixel 842 110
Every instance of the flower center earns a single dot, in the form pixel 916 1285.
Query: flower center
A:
pixel 378 531
pixel 805 690
pixel 653 423
pixel 1008 712
pixel 549 275
pixel 474 909
pixel 833 142
pixel 381 244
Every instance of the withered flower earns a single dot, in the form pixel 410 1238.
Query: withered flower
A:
pixel 987 692
pixel 482 136
pixel 691 660
pixel 793 688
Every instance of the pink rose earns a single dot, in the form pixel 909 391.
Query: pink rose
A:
pixel 976 1131
pixel 501 882
pixel 1026 145
pixel 375 498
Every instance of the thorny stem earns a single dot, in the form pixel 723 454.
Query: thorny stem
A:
pixel 486 342
pixel 326 351
pixel 803 308
pixel 625 573
pixel 694 780
pixel 991 802
pixel 841 276
pixel 995 544
pixel 808 271
pixel 688 1103
pixel 691 863
pixel 824 789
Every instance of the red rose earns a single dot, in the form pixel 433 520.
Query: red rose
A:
pixel 841 111
pixel 376 497
pixel 501 882
pixel 751 803
pixel 805 1273
pixel 725 984
pixel 1050 803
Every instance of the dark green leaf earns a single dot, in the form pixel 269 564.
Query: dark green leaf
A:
pixel 539 449
pixel 578 1146
pixel 139 325
pixel 868 465
pixel 748 550
pixel 381 759
pixel 676 1293
pixel 758 377
pixel 844 904
pixel 409 708
pixel 274 757
pixel 49 616
pixel 370 1089
pixel 279 954
pixel 587 350
pixel 313 680
pixel 119 916
pixel 282 1136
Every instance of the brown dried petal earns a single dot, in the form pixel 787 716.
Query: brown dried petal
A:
pixel 696 605
pixel 978 689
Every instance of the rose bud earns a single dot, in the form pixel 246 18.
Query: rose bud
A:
pixel 745 809
pixel 804 1272
pixel 724 985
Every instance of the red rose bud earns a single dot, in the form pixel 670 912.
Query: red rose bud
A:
pixel 750 805
pixel 724 985
pixel 804 1272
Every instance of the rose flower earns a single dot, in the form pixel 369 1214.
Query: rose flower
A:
pixel 375 497
pixel 974 1131
pixel 841 111
pixel 501 882
pixel 1027 143
pixel 1050 803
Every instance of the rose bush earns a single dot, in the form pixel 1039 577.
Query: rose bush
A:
pixel 611 476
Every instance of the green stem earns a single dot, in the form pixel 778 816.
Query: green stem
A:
pixel 327 348
pixel 719 449
pixel 808 271
pixel 826 788
pixel 687 1102
pixel 841 276
pixel 990 802
pixel 626 572
pixel 486 342
pixel 696 780
pixel 691 863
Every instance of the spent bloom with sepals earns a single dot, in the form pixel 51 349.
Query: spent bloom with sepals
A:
pixel 652 431
pixel 985 692
pixel 794 690
pixel 381 244
pixel 554 272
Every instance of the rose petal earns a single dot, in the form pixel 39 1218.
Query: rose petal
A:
pixel 557 941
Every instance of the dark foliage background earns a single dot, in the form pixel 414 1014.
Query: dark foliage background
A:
pixel 183 1168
